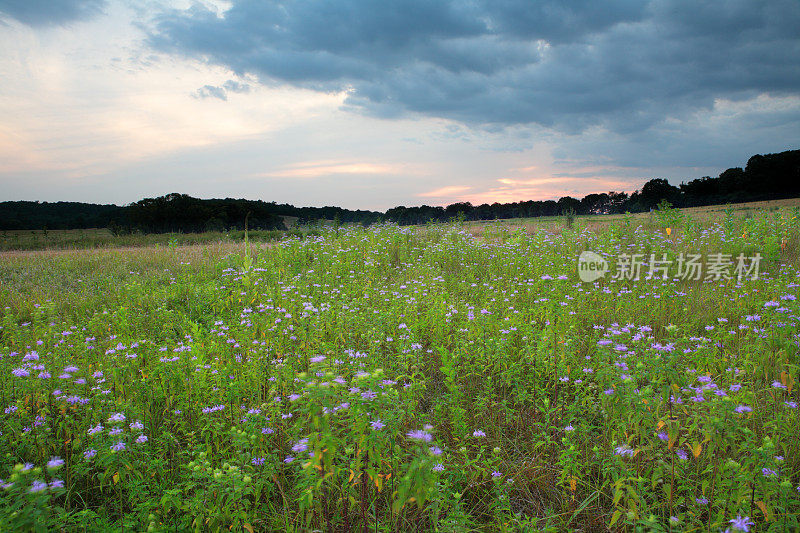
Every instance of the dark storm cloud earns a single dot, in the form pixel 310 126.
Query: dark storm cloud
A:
pixel 50 12
pixel 624 65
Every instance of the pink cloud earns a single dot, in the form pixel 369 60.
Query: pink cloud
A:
pixel 315 169
pixel 444 192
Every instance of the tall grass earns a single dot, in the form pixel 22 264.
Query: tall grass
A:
pixel 398 379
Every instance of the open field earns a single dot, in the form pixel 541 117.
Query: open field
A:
pixel 407 379
pixel 18 240
pixel 103 238
pixel 648 220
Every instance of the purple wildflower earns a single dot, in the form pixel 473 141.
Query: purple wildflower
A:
pixel 38 486
pixel 741 523
pixel 624 451
pixel 418 434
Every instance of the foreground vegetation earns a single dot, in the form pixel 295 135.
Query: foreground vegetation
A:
pixel 393 379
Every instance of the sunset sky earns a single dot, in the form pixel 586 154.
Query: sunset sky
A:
pixel 373 104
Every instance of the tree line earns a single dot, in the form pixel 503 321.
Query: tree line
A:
pixel 765 177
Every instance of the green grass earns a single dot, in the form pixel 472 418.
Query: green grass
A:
pixel 403 379
pixel 18 240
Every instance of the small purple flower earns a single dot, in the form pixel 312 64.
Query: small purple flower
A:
pixel 377 425
pixel 702 500
pixel 743 409
pixel 768 472
pixel 663 436
pixel 438 467
pixel 88 454
pixel 478 433
pixel 418 434
pixel 741 523
pixel 288 459
pixel 118 447
pixel 624 451
pixel 435 450
pixel 301 446
pixel 55 463
pixel 38 486
pixel 141 439
pixel 258 461
pixel 497 474
pixel 56 484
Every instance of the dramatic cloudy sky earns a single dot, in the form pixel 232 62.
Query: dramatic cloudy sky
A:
pixel 373 104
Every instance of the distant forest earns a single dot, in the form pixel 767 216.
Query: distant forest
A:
pixel 766 177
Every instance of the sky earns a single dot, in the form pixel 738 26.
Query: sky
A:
pixel 371 105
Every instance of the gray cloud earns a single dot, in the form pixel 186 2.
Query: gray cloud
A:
pixel 221 92
pixel 236 87
pixel 51 12
pixel 211 91
pixel 624 65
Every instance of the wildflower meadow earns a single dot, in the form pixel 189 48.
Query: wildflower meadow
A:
pixel 406 379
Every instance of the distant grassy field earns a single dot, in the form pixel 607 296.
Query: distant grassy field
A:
pixel 707 213
pixel 102 238
pixel 408 379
